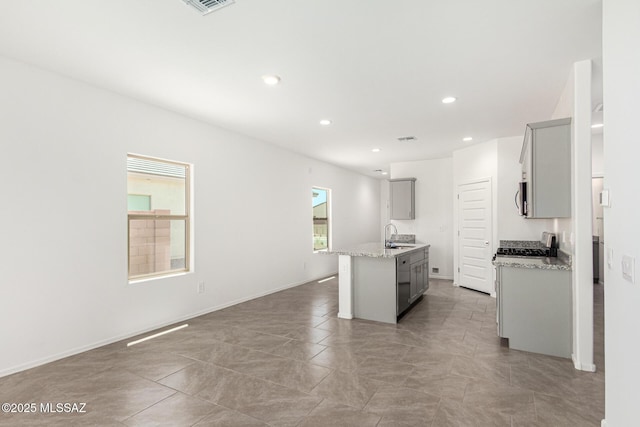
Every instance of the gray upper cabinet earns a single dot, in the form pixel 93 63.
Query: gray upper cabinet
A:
pixel 546 168
pixel 403 194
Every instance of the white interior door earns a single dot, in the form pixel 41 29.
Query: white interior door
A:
pixel 474 236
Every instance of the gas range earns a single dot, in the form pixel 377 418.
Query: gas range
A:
pixel 548 248
pixel 524 252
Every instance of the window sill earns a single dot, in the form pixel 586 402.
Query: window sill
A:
pixel 152 278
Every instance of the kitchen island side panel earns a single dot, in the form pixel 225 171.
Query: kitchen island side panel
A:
pixel 374 288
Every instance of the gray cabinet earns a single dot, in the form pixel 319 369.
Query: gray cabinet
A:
pixel 534 309
pixel 419 274
pixel 546 168
pixel 425 277
pixel 402 194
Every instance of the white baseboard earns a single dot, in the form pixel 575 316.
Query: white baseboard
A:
pixel 345 316
pixel 439 276
pixel 603 423
pixel 587 367
pixel 82 349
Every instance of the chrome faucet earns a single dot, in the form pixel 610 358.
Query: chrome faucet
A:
pixel 386 242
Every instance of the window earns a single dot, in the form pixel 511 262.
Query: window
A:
pixel 321 214
pixel 158 216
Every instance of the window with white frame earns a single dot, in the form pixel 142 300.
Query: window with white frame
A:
pixel 321 217
pixel 158 216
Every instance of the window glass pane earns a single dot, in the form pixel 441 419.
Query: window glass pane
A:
pixel 156 246
pixel 164 183
pixel 320 219
pixel 138 202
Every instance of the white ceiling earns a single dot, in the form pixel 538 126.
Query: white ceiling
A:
pixel 377 69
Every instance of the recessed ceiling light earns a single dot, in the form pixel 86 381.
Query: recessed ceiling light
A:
pixel 325 122
pixel 384 173
pixel 467 139
pixel 376 150
pixel 271 80
pixel 597 125
pixel 448 100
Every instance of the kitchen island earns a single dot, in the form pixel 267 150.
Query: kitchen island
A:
pixel 379 283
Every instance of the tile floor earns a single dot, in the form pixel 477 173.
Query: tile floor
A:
pixel 286 360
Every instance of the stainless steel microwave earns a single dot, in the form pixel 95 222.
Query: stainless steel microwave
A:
pixel 521 199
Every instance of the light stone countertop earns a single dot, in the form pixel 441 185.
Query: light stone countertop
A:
pixel 553 263
pixel 377 250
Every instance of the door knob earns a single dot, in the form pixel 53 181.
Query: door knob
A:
pixel 486 243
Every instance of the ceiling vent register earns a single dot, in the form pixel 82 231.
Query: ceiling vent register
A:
pixel 207 6
pixel 407 138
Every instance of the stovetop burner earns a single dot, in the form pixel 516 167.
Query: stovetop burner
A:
pixel 524 252
pixel 546 247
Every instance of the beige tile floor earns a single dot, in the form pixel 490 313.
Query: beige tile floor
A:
pixel 286 360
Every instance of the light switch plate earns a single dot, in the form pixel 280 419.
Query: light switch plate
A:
pixel 609 258
pixel 628 268
pixel 604 198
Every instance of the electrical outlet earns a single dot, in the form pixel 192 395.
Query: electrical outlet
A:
pixel 201 287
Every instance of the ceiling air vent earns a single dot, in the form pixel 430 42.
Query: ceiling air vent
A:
pixel 208 6
pixel 407 138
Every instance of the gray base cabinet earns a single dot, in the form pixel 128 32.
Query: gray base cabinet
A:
pixel 535 309
pixel 419 274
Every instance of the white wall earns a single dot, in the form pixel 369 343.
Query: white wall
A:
pixel 434 210
pixel 621 38
pixel 385 206
pixel 583 217
pixel 498 159
pixel 512 226
pixel 597 154
pixel 563 227
pixel 472 164
pixel 575 232
pixel 64 250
